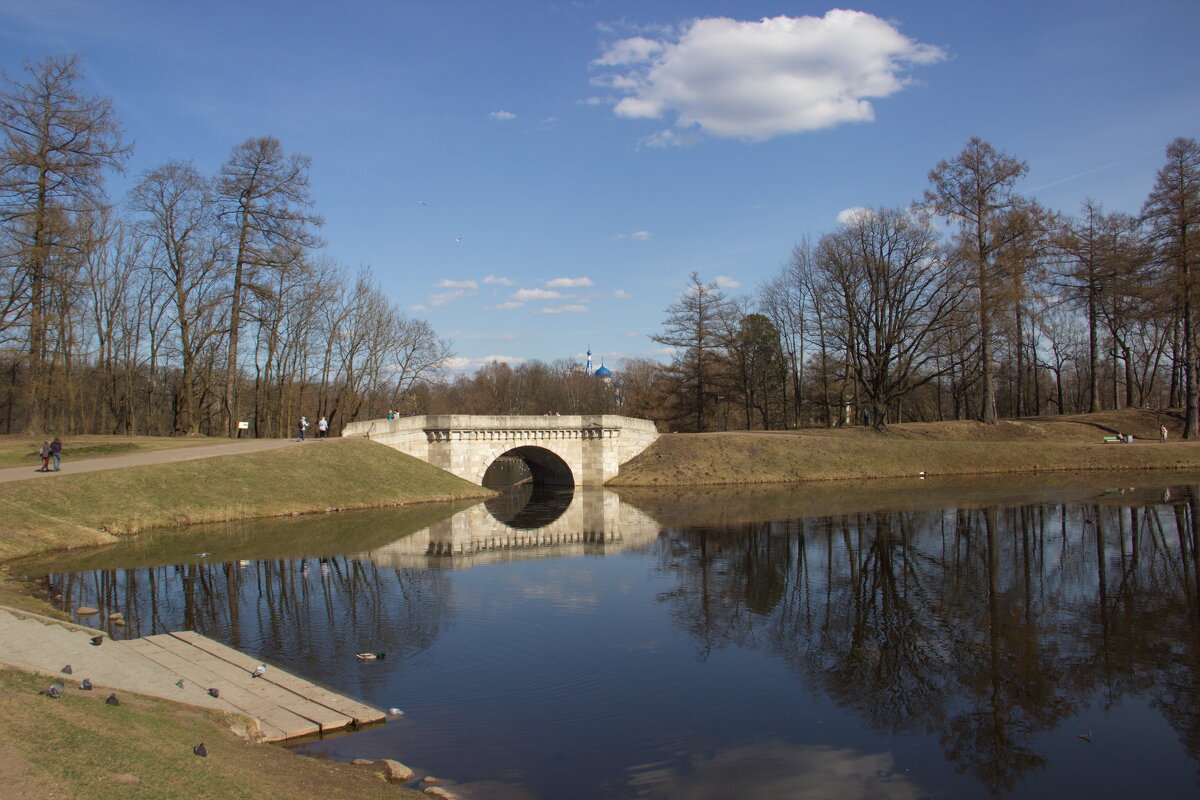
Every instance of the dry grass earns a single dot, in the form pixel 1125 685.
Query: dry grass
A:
pixel 735 505
pixel 1044 444
pixel 93 508
pixel 66 748
pixel 17 450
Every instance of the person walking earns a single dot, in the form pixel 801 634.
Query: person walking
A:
pixel 45 456
pixel 1162 433
pixel 322 427
pixel 303 426
pixel 56 453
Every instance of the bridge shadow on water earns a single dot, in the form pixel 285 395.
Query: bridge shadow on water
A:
pixel 528 506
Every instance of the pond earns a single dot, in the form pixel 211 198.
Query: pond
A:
pixel 1036 638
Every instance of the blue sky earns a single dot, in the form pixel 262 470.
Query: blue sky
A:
pixel 536 177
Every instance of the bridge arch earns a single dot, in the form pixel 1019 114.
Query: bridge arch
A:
pixel 546 467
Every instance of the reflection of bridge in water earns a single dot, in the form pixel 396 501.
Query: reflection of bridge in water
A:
pixel 583 522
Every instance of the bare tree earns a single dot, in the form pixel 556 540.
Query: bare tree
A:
pixel 691 328
pixel 178 219
pixel 415 355
pixel 1173 213
pixel 896 294
pixel 57 142
pixel 263 199
pixel 975 189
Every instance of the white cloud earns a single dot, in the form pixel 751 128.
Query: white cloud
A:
pixel 449 284
pixel 443 298
pixel 637 236
pixel 847 216
pixel 509 306
pixel 568 283
pixel 536 294
pixel 667 138
pixel 781 769
pixel 621 294
pixel 419 308
pixel 502 115
pixel 567 309
pixel 629 51
pixel 459 364
pixel 499 281
pixel 756 80
pixel 726 282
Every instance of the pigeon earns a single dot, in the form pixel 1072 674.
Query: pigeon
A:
pixel 179 683
pixel 258 671
pixel 202 555
pixel 54 690
pixel 97 640
pixel 67 670
pixel 215 692
pixel 395 712
pixel 369 656
pixel 200 750
pixel 86 685
pixel 112 700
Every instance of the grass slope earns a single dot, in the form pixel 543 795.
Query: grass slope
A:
pixel 92 508
pixel 77 746
pixel 22 450
pixel 1042 444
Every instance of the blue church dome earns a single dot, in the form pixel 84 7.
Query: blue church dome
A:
pixel 603 372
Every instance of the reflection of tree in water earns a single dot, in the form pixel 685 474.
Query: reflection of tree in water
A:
pixel 295 611
pixel 986 627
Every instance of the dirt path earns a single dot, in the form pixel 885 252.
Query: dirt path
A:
pixel 147 457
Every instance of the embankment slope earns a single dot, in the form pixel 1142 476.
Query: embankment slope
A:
pixel 1042 444
pixel 94 508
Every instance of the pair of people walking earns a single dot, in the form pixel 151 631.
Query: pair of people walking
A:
pixel 322 428
pixel 51 452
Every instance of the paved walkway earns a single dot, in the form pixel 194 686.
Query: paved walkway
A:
pixel 181 666
pixel 145 457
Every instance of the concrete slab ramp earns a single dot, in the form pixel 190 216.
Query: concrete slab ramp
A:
pixel 284 706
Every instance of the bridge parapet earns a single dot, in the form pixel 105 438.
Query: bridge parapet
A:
pixel 586 449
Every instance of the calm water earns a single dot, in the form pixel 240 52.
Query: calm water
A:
pixel 1031 640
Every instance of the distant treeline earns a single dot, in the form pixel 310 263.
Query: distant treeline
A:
pixel 198 302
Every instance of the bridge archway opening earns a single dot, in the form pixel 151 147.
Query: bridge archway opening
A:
pixel 544 468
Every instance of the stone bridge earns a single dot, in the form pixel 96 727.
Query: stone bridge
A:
pixel 583 450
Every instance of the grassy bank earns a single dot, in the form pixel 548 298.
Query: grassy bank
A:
pixel 68 748
pixel 21 450
pixel 94 508
pixel 1044 444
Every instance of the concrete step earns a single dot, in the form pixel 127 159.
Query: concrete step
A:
pixel 338 703
pixel 284 705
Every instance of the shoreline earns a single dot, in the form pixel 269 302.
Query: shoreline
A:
pixel 77 510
